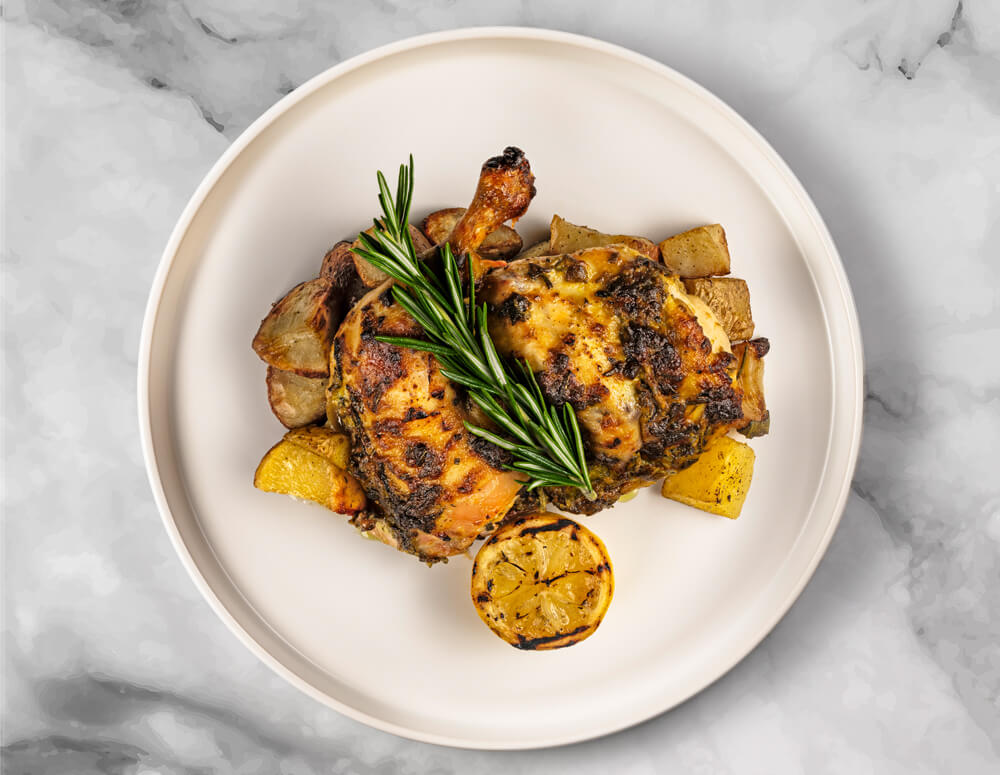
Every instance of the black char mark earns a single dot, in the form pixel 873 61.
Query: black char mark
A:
pixel 530 644
pixel 514 308
pixel 637 292
pixel 512 158
pixel 561 385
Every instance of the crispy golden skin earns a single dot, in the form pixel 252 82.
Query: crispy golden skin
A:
pixel 505 189
pixel 435 486
pixel 647 368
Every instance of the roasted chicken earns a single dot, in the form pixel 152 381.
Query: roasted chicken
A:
pixel 436 487
pixel 647 368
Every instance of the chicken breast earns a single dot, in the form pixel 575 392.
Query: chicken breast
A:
pixel 647 368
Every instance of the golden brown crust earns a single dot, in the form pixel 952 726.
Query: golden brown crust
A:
pixel 432 485
pixel 501 243
pixel 505 189
pixel 614 335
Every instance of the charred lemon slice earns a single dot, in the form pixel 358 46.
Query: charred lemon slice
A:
pixel 542 582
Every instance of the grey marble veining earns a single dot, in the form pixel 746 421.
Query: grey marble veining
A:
pixel 889 112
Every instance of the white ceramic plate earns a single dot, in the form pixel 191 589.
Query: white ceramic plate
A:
pixel 617 141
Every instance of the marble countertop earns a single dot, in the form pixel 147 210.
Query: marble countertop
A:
pixel 888 111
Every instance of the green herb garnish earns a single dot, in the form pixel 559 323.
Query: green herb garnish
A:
pixel 544 439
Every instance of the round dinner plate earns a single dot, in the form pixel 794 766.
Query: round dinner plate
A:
pixel 618 142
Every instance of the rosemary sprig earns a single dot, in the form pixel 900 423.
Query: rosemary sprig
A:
pixel 544 440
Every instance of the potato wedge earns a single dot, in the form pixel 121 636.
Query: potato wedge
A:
pixel 295 336
pixel 566 237
pixel 325 442
pixel 500 244
pixel 291 469
pixel 717 482
pixel 729 300
pixel 699 252
pixel 371 276
pixel 538 249
pixel 295 400
pixel 338 265
pixel 750 377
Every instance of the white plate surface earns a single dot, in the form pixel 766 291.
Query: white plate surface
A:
pixel 618 142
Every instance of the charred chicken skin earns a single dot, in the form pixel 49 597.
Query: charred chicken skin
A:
pixel 436 487
pixel 646 367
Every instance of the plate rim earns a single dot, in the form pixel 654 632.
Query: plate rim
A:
pixel 318 81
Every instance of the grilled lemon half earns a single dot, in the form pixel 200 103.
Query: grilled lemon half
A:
pixel 542 582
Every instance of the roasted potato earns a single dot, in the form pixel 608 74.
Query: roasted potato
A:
pixel 338 265
pixel 729 300
pixel 538 249
pixel 566 237
pixel 750 377
pixel 717 482
pixel 501 243
pixel 325 442
pixel 371 276
pixel 296 334
pixel 700 252
pixel 542 582
pixel 294 470
pixel 295 400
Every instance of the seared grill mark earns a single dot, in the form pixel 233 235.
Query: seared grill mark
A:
pixel 552 527
pixel 497 457
pixel 529 644
pixel 427 461
pixel 380 369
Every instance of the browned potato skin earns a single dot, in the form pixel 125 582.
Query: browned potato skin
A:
pixel 542 248
pixel 338 267
pixel 296 401
pixel 297 332
pixel 750 377
pixel 501 243
pixel 371 276
pixel 566 237
pixel 338 264
pixel 729 299
pixel 699 252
